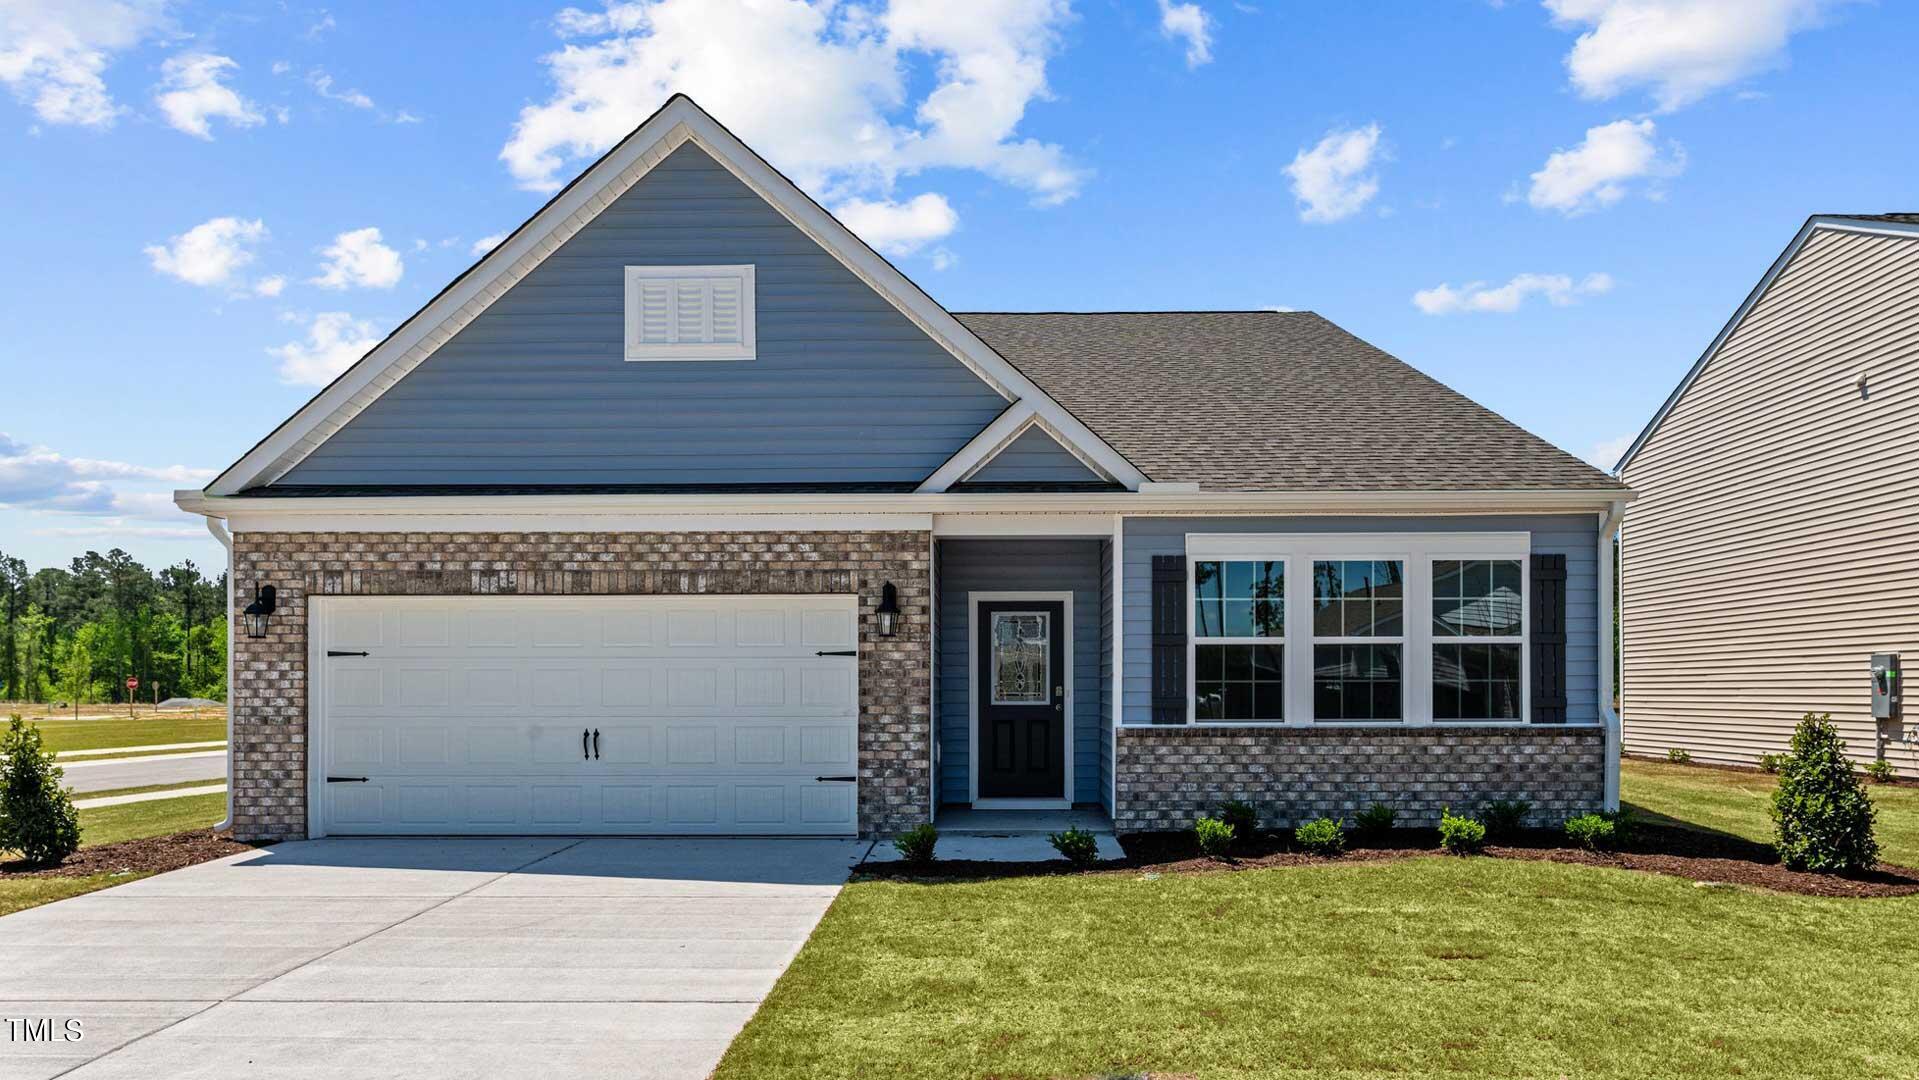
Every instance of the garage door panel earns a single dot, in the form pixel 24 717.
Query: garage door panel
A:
pixel 714 715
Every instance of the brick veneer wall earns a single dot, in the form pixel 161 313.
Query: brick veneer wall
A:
pixel 1168 776
pixel 269 692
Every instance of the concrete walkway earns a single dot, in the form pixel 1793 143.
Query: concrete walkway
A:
pixel 84 776
pixel 148 796
pixel 420 959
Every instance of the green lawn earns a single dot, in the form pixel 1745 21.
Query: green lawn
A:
pixel 149 730
pixel 130 821
pixel 23 893
pixel 1423 967
pixel 1737 802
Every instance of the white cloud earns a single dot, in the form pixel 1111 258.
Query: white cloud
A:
pixel 899 228
pixel 334 340
pixel 52 53
pixel 270 286
pixel 210 253
pixel 1607 452
pixel 36 477
pixel 322 84
pixel 190 94
pixel 829 92
pixel 1680 50
pixel 1559 290
pixel 1188 23
pixel 358 258
pixel 1598 172
pixel 486 243
pixel 1334 179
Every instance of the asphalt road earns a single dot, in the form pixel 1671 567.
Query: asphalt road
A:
pixel 85 776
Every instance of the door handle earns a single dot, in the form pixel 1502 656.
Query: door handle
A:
pixel 584 756
pixel 596 744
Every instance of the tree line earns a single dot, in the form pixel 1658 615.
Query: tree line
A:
pixel 75 635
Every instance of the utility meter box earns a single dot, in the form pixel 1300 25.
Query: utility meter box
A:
pixel 1887 694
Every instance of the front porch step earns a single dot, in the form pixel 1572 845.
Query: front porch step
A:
pixel 966 821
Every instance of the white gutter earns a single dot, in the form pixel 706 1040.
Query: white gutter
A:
pixel 1608 526
pixel 220 533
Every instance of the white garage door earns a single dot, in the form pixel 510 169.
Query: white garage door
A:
pixel 625 715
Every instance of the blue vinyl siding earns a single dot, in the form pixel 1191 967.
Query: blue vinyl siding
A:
pixel 968 566
pixel 1574 535
pixel 536 390
pixel 1032 458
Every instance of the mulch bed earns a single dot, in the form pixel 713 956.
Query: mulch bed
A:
pixel 1709 858
pixel 155 854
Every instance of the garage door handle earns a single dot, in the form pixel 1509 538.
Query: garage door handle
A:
pixel 346 780
pixel 835 779
pixel 596 744
pixel 840 652
pixel 585 755
pixel 343 652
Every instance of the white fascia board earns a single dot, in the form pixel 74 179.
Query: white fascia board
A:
pixel 1083 526
pixel 1827 222
pixel 981 448
pixel 676 122
pixel 552 513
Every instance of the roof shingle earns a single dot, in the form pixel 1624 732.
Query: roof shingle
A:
pixel 1270 401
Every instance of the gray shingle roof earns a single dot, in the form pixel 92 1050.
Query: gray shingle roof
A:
pixel 1270 401
pixel 1898 219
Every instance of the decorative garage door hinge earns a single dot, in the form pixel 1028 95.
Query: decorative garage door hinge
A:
pixel 837 652
pixel 836 779
pixel 346 780
pixel 343 652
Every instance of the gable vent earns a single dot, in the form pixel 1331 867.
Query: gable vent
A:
pixel 689 313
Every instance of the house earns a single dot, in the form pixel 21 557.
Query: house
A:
pixel 682 511
pixel 1772 550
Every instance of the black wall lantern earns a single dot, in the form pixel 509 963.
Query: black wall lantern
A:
pixel 257 613
pixel 889 610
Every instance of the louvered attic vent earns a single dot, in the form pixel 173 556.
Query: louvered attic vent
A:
pixel 689 312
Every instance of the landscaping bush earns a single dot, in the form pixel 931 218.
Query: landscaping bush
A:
pixel 1374 822
pixel 916 844
pixel 1460 834
pixel 1771 762
pixel 1594 832
pixel 1822 818
pixel 1215 837
pixel 1881 771
pixel 1242 817
pixel 1321 836
pixel 37 818
pixel 1678 756
pixel 1504 818
pixel 1076 846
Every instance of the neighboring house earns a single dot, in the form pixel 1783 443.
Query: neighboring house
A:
pixel 682 511
pixel 1774 546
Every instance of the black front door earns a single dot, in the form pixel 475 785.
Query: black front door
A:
pixel 1022 677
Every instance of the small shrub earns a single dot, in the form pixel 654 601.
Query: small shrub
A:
pixel 1460 834
pixel 916 844
pixel 1771 763
pixel 1242 817
pixel 1678 756
pixel 1504 818
pixel 1215 837
pixel 1881 772
pixel 1374 822
pixel 1594 832
pixel 37 818
pixel 1076 846
pixel 1321 836
pixel 1822 818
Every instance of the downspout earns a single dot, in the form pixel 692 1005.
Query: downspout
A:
pixel 219 531
pixel 1609 520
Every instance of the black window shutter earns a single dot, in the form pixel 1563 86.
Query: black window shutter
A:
pixel 1169 639
pixel 1549 639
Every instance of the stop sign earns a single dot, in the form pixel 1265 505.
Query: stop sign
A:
pixel 133 682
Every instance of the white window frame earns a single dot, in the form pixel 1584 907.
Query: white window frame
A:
pixel 1417 552
pixel 744 349
pixel 1523 639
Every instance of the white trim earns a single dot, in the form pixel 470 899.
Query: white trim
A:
pixel 677 122
pixel 1028 526
pixel 973 601
pixel 1416 552
pixel 638 351
pixel 1828 222
pixel 983 449
pixel 1118 645
pixel 1608 716
pixel 221 534
pixel 248 522
pixel 316 727
pixel 524 511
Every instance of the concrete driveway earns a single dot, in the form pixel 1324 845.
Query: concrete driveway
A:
pixel 419 959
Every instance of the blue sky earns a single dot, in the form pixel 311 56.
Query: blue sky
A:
pixel 1550 206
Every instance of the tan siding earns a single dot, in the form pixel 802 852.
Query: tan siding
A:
pixel 1775 542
